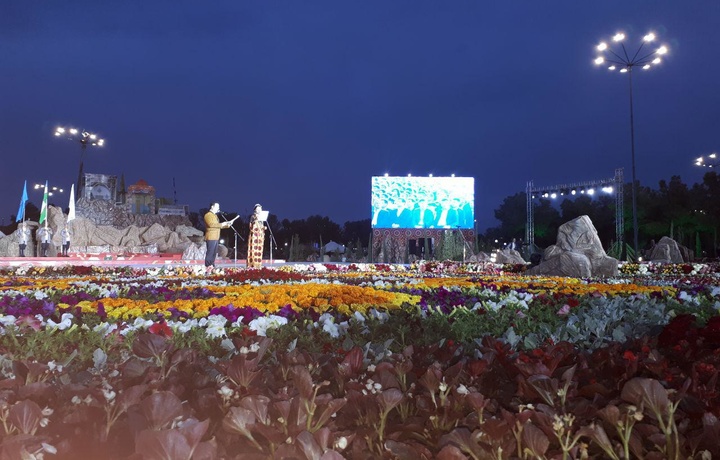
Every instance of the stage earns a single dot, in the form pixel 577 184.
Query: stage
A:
pixel 135 260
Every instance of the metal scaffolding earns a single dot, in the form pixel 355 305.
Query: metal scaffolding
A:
pixel 566 189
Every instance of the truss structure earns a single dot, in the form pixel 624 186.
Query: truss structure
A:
pixel 616 182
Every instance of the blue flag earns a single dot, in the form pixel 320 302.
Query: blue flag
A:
pixel 23 202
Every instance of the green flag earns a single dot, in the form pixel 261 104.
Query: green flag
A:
pixel 43 210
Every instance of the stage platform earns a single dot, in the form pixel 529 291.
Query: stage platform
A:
pixel 136 260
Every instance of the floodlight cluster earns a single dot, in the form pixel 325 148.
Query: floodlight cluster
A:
pixel 709 162
pixel 553 194
pixel 51 190
pixel 84 137
pixel 618 58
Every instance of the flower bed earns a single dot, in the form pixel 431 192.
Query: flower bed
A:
pixel 440 360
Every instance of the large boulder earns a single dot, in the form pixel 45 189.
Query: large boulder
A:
pixel 577 253
pixel 509 256
pixel 194 252
pixel 666 251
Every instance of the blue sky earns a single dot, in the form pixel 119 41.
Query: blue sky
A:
pixel 296 104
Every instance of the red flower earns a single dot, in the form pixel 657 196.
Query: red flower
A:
pixel 681 327
pixel 161 328
pixel 573 302
pixel 538 353
pixel 630 356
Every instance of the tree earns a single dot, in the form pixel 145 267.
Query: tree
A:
pixel 358 230
pixel 512 215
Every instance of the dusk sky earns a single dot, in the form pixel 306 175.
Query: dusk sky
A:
pixel 297 104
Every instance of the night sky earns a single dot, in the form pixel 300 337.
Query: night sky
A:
pixel 296 104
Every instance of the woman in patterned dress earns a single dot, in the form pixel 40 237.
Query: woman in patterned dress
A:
pixel 257 239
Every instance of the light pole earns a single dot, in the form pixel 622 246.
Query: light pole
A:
pixel 85 138
pixel 625 62
pixel 710 162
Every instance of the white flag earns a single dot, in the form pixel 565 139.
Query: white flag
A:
pixel 71 206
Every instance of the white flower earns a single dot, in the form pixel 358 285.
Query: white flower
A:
pixel 39 295
pixel 262 324
pixel 183 327
pixel 357 316
pixel 141 323
pixel 7 320
pixel 226 392
pixel 341 443
pixel 109 394
pixel 65 322
pixel 462 390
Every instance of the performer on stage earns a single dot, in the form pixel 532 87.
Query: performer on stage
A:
pixel 257 239
pixel 23 238
pixel 66 235
pixel 44 236
pixel 212 233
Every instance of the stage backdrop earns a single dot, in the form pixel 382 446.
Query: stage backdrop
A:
pixel 423 202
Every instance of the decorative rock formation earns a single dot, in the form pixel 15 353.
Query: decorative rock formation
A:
pixel 578 253
pixel 102 212
pixel 666 251
pixel 509 256
pixel 91 238
pixel 479 257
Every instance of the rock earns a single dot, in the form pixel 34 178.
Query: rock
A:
pixel 666 251
pixel 194 252
pixel 479 257
pixel 187 231
pixel 106 235
pixel 509 256
pixel 578 253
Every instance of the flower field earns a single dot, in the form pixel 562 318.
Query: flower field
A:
pixel 321 361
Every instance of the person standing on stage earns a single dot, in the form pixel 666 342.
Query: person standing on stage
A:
pixel 257 239
pixel 66 235
pixel 44 236
pixel 23 238
pixel 212 233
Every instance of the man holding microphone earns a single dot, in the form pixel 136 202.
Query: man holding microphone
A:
pixel 212 234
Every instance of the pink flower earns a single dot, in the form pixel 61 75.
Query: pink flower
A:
pixel 564 310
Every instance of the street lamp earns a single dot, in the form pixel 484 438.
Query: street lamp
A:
pixel 625 62
pixel 85 138
pixel 710 162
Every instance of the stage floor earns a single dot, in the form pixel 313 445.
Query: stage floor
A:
pixel 137 260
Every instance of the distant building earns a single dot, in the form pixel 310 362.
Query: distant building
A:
pixel 140 198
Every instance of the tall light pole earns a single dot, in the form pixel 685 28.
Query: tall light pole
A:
pixel 625 62
pixel 85 138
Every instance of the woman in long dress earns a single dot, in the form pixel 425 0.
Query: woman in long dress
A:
pixel 257 239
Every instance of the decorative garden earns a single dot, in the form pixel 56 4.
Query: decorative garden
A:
pixel 320 361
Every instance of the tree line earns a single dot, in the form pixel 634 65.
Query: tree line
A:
pixel 688 214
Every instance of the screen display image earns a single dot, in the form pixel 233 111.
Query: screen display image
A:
pixel 423 202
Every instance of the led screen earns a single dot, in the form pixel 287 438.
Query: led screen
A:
pixel 423 202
